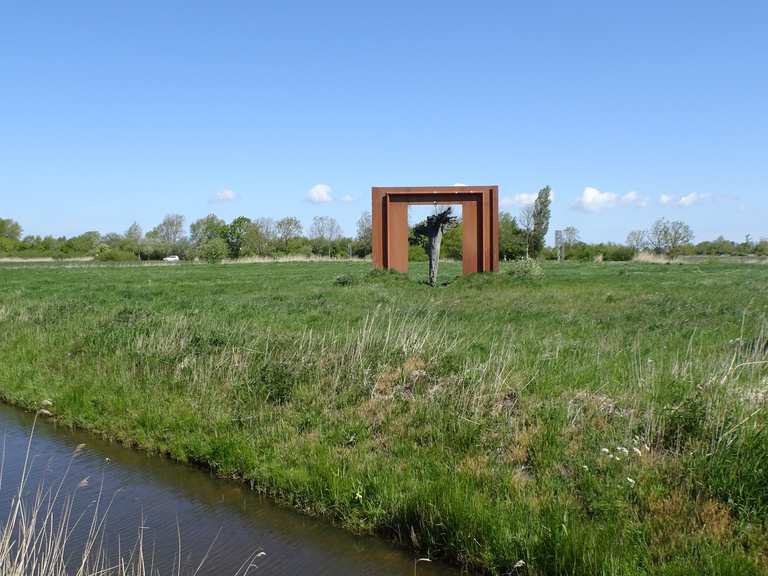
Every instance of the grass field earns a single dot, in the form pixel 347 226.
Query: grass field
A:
pixel 605 419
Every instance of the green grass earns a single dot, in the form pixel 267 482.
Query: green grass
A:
pixel 604 419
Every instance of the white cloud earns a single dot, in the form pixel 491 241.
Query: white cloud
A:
pixel 593 200
pixel 522 200
pixel 225 195
pixel 347 198
pixel 320 194
pixel 684 201
pixel 634 199
pixel 691 199
pixel 459 184
pixel 518 200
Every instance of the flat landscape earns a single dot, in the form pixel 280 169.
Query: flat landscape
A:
pixel 598 419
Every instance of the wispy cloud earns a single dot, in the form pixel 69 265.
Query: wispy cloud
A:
pixel 225 195
pixel 319 194
pixel 683 201
pixel 634 199
pixel 522 200
pixel 594 200
pixel 347 198
pixel 691 199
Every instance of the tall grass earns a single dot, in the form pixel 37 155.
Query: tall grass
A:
pixel 604 419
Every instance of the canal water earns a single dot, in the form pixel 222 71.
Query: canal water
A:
pixel 171 503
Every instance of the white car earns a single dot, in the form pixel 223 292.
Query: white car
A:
pixel 172 259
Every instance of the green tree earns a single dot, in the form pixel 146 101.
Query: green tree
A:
pixel 207 228
pixel 214 250
pixel 541 215
pixel 364 237
pixel 235 235
pixel 288 229
pixel 10 229
pixel 170 230
pixel 451 246
pixel 512 239
pixel 134 233
pixel 259 238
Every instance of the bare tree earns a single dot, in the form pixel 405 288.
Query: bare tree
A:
pixel 325 228
pixel 678 235
pixel 570 235
pixel 433 229
pixel 637 240
pixel 668 237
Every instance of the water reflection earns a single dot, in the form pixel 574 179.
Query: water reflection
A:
pixel 169 501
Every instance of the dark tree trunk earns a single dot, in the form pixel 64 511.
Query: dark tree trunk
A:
pixel 432 229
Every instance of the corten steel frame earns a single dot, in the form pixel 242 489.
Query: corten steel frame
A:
pixel 480 217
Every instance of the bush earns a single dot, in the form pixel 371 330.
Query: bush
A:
pixel 344 280
pixel 116 255
pixel 526 269
pixel 213 251
pixel 417 253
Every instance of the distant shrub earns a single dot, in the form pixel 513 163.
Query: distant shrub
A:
pixel 344 280
pixel 115 255
pixel 526 269
pixel 416 253
pixel 214 250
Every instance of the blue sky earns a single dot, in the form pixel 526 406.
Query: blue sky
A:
pixel 112 112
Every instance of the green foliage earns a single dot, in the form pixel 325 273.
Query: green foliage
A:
pixel 116 255
pixel 417 252
pixel 451 246
pixel 344 280
pixel 208 228
pixel 8 245
pixel 213 251
pixel 526 269
pixel 589 252
pixel 364 238
pixel 235 235
pixel 10 229
pixel 511 238
pixel 541 215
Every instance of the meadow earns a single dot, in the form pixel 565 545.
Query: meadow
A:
pixel 600 419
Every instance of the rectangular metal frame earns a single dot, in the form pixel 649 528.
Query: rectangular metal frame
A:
pixel 480 218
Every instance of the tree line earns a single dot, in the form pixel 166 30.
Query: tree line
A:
pixel 213 239
pixel 209 238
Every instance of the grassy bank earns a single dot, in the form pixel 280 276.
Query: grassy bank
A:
pixel 605 419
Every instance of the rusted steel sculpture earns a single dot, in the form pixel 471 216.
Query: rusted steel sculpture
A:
pixel 480 218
